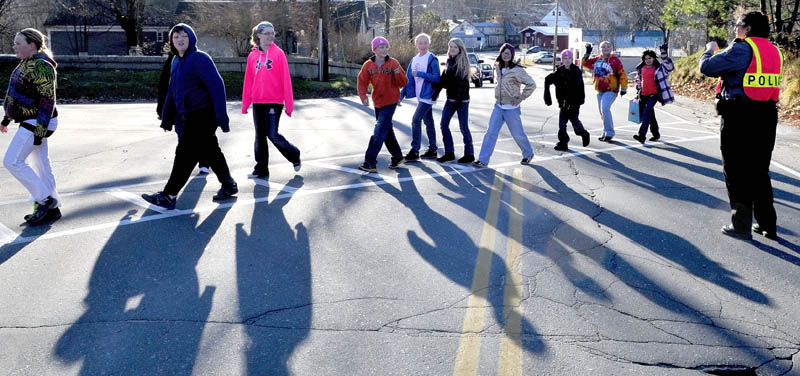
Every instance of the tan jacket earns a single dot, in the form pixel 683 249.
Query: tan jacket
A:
pixel 508 86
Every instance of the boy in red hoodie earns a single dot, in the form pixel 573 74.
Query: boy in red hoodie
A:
pixel 387 78
pixel 268 86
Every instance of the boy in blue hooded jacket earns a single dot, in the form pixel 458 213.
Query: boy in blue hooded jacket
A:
pixel 422 73
pixel 195 105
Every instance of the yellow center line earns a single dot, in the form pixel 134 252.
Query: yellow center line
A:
pixel 469 346
pixel 510 348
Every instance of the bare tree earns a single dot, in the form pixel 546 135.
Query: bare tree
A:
pixel 128 14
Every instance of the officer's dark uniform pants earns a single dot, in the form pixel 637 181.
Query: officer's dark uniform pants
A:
pixel 198 140
pixel 747 137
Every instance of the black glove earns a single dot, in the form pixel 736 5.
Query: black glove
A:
pixel 588 49
pixel 166 127
pixel 6 121
pixel 623 92
pixel 547 100
pixel 663 47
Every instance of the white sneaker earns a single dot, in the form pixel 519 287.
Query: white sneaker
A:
pixel 204 170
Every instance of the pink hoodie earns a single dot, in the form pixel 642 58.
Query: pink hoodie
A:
pixel 267 79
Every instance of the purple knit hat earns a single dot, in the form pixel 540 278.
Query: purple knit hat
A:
pixel 566 53
pixel 509 47
pixel 379 41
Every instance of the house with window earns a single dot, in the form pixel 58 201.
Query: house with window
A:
pixel 512 34
pixel 495 33
pixel 69 34
pixel 473 38
pixel 549 19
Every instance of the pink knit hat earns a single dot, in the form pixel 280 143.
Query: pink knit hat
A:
pixel 379 41
pixel 566 53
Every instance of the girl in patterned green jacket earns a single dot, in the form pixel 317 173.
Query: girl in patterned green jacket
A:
pixel 31 102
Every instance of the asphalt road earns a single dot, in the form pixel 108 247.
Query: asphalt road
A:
pixel 605 260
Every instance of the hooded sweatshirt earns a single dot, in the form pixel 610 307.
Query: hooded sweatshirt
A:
pixel 267 79
pixel 194 84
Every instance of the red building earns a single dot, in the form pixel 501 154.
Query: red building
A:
pixel 543 36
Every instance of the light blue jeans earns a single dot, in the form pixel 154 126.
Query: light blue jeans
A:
pixel 512 119
pixel 604 102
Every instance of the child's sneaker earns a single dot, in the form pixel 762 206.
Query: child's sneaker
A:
pixel 469 158
pixel 525 161
pixel 225 193
pixel 447 157
pixel 479 164
pixel 41 210
pixel 160 199
pixel 367 168
pixel 203 170
pixel 412 156
pixel 429 154
pixel 396 163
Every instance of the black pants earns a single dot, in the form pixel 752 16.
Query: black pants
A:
pixel 648 116
pixel 266 117
pixel 569 114
pixel 197 141
pixel 747 137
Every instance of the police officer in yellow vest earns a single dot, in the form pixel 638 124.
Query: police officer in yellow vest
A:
pixel 750 74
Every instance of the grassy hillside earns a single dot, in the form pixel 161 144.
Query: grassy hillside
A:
pixel 687 80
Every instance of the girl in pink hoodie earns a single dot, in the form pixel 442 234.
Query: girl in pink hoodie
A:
pixel 268 86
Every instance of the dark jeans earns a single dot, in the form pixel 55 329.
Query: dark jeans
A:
pixel 424 113
pixel 462 109
pixel 266 117
pixel 202 162
pixel 569 114
pixel 197 140
pixel 383 133
pixel 648 113
pixel 747 137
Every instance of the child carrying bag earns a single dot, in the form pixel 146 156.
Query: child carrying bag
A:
pixel 633 111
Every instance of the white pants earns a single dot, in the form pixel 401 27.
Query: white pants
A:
pixel 39 180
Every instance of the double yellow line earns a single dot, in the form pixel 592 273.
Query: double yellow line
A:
pixel 510 360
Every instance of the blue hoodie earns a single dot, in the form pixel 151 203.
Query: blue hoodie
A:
pixel 431 75
pixel 194 84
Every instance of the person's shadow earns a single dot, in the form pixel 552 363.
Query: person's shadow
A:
pixel 145 311
pixel 454 254
pixel 28 235
pixel 664 243
pixel 273 265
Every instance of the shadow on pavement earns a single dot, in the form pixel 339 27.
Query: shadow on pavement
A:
pixel 454 254
pixel 664 243
pixel 273 265
pixel 145 312
pixel 8 251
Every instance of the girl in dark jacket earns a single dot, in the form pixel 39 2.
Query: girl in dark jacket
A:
pixel 163 86
pixel 455 81
pixel 568 79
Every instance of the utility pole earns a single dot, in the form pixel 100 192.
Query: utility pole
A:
pixel 411 19
pixel 323 39
pixel 387 16
pixel 555 37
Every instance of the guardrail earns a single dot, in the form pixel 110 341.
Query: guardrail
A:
pixel 304 67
